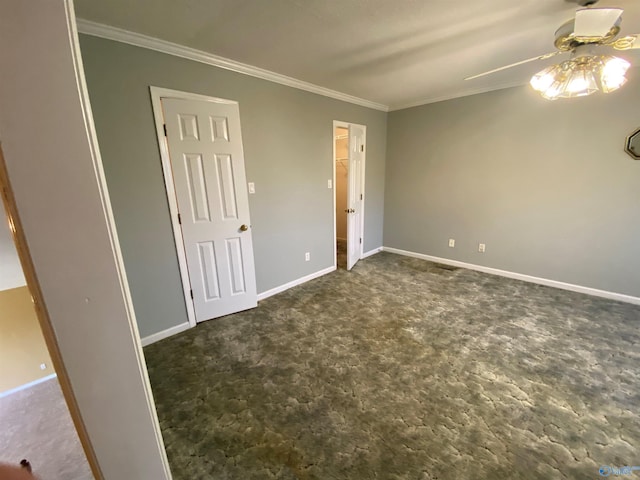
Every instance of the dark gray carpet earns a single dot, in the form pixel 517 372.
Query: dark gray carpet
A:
pixel 401 369
pixel 35 424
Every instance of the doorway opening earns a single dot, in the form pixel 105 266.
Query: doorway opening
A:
pixel 37 426
pixel 341 139
pixel 349 149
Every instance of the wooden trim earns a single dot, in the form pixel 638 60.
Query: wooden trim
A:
pixel 43 316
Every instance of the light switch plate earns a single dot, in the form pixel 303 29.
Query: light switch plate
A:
pixel 252 187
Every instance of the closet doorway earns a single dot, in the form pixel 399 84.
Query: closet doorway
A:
pixel 349 150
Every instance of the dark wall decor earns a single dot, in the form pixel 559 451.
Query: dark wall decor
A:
pixel 632 146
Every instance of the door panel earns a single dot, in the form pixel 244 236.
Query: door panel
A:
pixel 226 186
pixel 197 188
pixel 189 127
pixel 236 270
pixel 207 162
pixel 355 194
pixel 219 129
pixel 209 270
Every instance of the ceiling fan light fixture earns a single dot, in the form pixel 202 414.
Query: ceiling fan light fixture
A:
pixel 581 76
pixel 552 82
pixel 586 72
pixel 553 92
pixel 581 80
pixel 541 81
pixel 610 84
pixel 614 65
pixel 614 72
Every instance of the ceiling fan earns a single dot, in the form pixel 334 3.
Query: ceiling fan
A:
pixel 587 71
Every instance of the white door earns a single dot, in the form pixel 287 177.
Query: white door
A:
pixel 207 163
pixel 355 194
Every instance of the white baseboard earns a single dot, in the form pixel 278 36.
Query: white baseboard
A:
pixel 261 296
pixel 519 276
pixel 165 333
pixel 299 281
pixel 371 252
pixel 27 385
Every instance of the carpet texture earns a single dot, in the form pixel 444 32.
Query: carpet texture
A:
pixel 341 254
pixel 404 369
pixel 35 424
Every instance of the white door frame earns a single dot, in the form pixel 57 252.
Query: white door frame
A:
pixel 157 94
pixel 341 124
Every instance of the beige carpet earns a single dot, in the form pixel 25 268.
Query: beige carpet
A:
pixel 35 424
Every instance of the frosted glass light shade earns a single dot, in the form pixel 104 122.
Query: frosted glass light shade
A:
pixel 541 81
pixel 580 82
pixel 613 73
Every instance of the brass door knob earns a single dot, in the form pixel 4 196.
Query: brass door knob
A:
pixel 243 228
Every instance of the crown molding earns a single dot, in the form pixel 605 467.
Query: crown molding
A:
pixel 124 36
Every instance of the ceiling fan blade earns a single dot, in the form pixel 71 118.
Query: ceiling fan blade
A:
pixel 596 22
pixel 495 70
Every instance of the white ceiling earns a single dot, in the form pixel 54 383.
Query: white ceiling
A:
pixel 395 52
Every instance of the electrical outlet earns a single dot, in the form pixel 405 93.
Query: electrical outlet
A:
pixel 307 257
pixel 452 242
pixel 481 247
pixel 252 187
pixel 43 366
pixel 329 183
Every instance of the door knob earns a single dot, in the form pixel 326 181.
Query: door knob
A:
pixel 243 228
pixel 350 210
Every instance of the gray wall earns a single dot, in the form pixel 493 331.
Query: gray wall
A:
pixel 287 137
pixel 546 185
pixel 59 194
